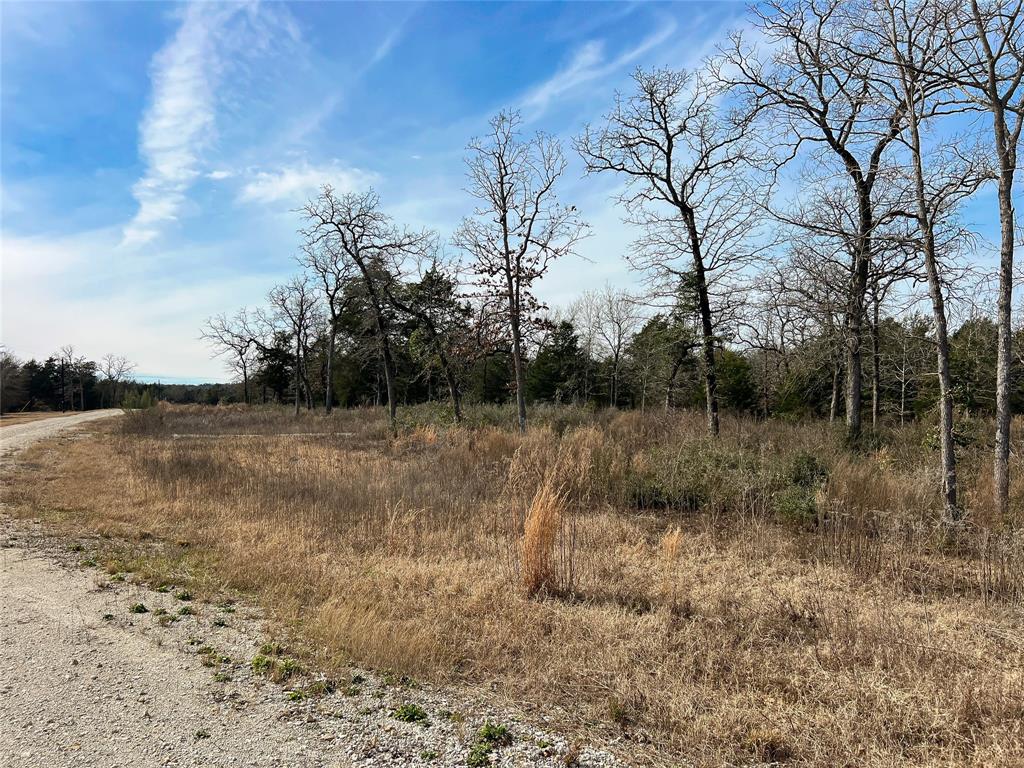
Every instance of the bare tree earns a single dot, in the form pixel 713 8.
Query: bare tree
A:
pixel 74 371
pixel 293 305
pixel 353 227
pixel 985 42
pixel 518 228
pixel 916 54
pixel 334 270
pixel 611 316
pixel 815 87
pixel 683 158
pixel 234 337
pixel 115 369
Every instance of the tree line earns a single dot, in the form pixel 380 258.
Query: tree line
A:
pixel 798 201
pixel 64 381
pixel 68 381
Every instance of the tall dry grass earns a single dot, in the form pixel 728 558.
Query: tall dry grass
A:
pixel 766 597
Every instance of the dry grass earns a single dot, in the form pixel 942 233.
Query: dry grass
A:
pixel 728 603
pixel 540 534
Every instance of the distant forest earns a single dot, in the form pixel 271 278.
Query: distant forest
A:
pixel 65 381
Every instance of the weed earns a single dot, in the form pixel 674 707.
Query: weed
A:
pixel 186 610
pixel 429 755
pixel 296 695
pixel 108 617
pixel 222 677
pixel 201 734
pixel 89 562
pixel 163 589
pixel 219 622
pixel 393 680
pixel 277 669
pixel 287 668
pixel 490 738
pixel 321 687
pixel 410 713
pixel 138 608
pixel 183 595
pixel 351 690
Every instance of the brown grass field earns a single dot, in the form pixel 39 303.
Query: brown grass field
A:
pixel 766 598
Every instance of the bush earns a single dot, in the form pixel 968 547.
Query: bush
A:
pixel 797 504
pixel 409 713
pixel 489 738
pixel 806 471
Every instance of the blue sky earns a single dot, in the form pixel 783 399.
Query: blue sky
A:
pixel 153 153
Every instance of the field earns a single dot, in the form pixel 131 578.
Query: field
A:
pixel 769 597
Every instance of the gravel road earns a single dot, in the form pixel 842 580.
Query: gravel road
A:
pixel 18 436
pixel 98 670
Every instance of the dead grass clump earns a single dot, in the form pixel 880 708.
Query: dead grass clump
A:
pixel 540 534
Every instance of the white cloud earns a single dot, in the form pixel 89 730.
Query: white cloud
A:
pixel 219 175
pixel 179 126
pixel 103 300
pixel 588 65
pixel 298 181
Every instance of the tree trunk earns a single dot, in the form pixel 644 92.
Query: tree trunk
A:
pixel 876 376
pixel 615 380
pixel 707 328
pixel 329 384
pixel 670 385
pixel 389 382
pixel 764 376
pixel 947 447
pixel 1007 158
pixel 833 408
pixel 298 374
pixel 517 362
pixel 245 382
pixel 453 387
pixel 855 315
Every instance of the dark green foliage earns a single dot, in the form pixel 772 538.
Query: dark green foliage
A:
pixel 554 375
pixel 410 713
pixel 489 738
pixel 806 470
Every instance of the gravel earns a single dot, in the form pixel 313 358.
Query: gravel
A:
pixel 100 670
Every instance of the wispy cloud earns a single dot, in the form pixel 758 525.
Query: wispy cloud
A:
pixel 179 126
pixel 297 181
pixel 589 65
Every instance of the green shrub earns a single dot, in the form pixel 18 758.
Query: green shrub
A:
pixel 806 470
pixel 409 713
pixel 489 738
pixel 797 504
